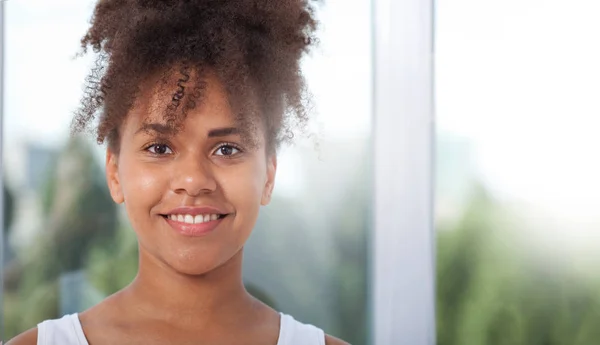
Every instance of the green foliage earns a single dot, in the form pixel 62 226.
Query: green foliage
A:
pixel 80 216
pixel 491 290
pixel 311 269
pixel 9 206
pixel 349 271
pixel 113 267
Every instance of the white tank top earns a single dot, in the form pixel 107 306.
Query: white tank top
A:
pixel 68 331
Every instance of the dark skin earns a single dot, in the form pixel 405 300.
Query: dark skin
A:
pixel 188 290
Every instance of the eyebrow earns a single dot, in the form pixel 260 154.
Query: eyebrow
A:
pixel 155 127
pixel 222 132
pixel 167 130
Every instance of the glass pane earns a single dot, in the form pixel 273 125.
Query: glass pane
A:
pixel 518 193
pixel 68 246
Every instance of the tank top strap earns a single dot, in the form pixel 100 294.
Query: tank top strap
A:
pixel 68 331
pixel 292 332
pixel 64 331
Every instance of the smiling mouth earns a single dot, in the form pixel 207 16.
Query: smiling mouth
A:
pixel 194 219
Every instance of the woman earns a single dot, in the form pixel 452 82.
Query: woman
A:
pixel 192 98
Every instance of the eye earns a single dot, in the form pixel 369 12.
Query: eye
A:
pixel 159 149
pixel 227 150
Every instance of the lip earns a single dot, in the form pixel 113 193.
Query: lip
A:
pixel 195 230
pixel 194 211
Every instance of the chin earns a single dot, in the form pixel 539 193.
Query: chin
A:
pixel 197 264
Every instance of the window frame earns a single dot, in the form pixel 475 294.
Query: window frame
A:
pixel 403 238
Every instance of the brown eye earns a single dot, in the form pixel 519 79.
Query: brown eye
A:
pixel 227 150
pixel 160 149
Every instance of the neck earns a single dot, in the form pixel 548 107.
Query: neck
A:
pixel 159 292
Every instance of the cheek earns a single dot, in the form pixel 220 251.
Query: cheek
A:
pixel 142 187
pixel 250 182
pixel 243 187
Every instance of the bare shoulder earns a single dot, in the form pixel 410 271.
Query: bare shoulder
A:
pixel 26 338
pixel 329 340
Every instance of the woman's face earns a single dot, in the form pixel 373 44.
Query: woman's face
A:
pixel 192 197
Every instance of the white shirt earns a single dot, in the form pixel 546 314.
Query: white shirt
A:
pixel 68 331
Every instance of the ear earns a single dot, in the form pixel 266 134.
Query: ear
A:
pixel 270 183
pixel 112 177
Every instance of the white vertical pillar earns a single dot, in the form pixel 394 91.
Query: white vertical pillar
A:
pixel 403 245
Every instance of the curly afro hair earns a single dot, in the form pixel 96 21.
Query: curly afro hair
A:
pixel 253 46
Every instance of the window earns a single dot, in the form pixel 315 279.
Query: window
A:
pixel 518 192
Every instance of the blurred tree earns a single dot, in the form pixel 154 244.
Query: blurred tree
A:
pixel 349 273
pixel 309 251
pixel 113 267
pixel 79 216
pixel 8 255
pixel 8 209
pixel 280 262
pixel 456 266
pixel 491 290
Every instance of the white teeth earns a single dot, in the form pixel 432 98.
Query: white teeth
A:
pixel 189 219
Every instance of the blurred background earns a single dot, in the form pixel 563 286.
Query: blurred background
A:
pixel 518 172
pixel 517 187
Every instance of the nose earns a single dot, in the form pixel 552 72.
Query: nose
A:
pixel 193 176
